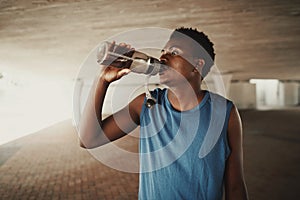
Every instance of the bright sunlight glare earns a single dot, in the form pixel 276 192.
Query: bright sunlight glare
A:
pixel 29 104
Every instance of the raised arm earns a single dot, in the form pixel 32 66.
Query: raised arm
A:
pixel 235 187
pixel 93 130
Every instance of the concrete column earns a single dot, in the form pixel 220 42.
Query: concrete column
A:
pixel 298 93
pixel 290 93
pixel 243 94
pixel 268 93
pixel 119 93
pixel 77 94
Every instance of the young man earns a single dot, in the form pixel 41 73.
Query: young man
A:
pixel 176 128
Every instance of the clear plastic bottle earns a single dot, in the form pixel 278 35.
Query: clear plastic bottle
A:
pixel 136 61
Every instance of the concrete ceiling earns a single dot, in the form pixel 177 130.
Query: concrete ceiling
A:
pixel 253 39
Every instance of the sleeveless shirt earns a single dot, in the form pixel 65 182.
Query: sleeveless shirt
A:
pixel 183 154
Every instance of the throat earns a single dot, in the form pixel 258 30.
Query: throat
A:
pixel 185 101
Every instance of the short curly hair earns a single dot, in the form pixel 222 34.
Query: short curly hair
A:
pixel 201 38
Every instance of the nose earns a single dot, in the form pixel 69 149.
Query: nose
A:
pixel 163 61
pixel 164 51
pixel 164 55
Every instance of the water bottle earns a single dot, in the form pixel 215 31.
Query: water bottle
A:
pixel 122 57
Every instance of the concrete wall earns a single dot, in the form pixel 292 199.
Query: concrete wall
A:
pixel 290 93
pixel 243 94
pixel 272 93
pixel 268 93
pixel 119 93
pixel 299 94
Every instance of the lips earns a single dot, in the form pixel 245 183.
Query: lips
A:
pixel 163 67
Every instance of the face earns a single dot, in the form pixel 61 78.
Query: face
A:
pixel 177 56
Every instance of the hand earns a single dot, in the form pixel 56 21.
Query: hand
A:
pixel 111 74
pixel 118 55
pixel 116 67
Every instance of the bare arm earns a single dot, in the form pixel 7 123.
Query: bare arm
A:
pixel 235 187
pixel 93 130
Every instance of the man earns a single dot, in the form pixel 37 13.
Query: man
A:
pixel 175 131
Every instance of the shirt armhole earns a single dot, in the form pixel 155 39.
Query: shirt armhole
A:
pixel 227 147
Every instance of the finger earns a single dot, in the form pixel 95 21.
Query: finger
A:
pixel 123 72
pixel 112 46
pixel 123 44
pixel 122 48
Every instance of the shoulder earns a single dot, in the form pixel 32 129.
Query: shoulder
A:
pixel 137 104
pixel 220 103
pixel 235 121
pixel 217 97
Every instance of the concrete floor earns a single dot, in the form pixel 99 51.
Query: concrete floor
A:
pixel 50 165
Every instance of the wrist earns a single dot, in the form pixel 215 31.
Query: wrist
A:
pixel 103 81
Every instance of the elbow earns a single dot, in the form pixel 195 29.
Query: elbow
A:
pixel 82 145
pixel 91 140
pixel 85 141
pixel 91 143
pixel 86 146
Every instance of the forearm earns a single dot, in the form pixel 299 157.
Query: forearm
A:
pixel 93 130
pixel 90 131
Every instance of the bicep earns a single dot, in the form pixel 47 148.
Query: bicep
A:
pixel 124 121
pixel 234 177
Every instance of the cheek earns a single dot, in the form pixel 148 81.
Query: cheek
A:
pixel 178 73
pixel 182 67
pixel 178 63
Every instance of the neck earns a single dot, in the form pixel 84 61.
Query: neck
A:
pixel 185 97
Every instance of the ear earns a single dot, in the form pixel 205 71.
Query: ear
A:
pixel 199 64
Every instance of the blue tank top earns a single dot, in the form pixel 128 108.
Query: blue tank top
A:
pixel 183 154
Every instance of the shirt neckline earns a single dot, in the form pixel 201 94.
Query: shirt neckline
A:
pixel 198 106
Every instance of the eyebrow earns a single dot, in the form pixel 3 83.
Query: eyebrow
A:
pixel 174 46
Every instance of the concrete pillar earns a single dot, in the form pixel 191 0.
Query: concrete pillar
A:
pixel 243 94
pixel 77 101
pixel 268 93
pixel 298 93
pixel 290 92
pixel 118 95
